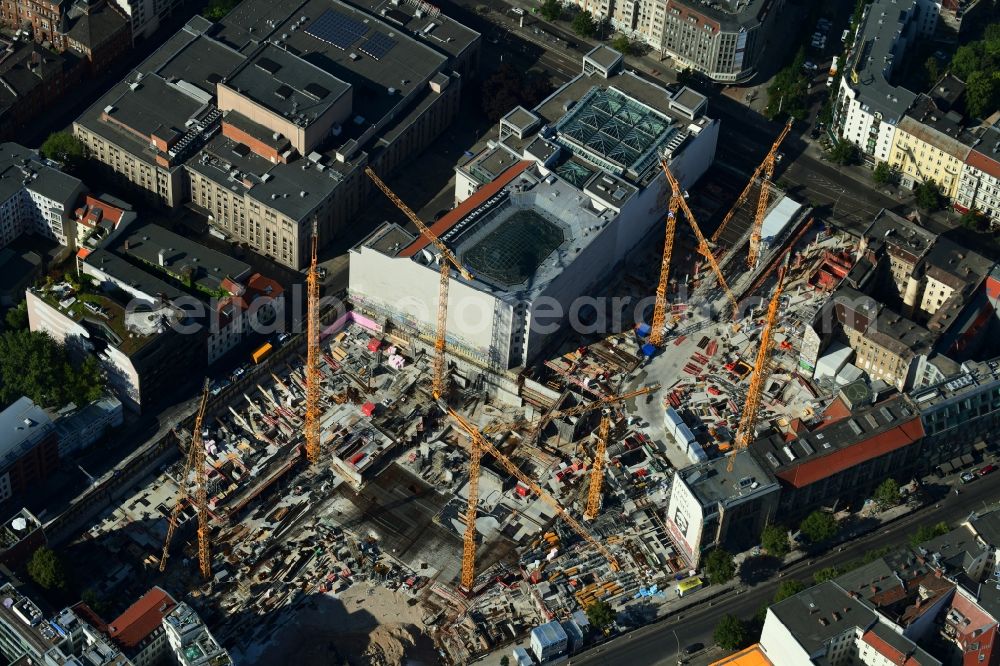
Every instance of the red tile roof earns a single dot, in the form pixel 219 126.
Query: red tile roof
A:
pixel 821 467
pixel 984 163
pixel 884 649
pixel 455 215
pixel 94 210
pixel 141 618
pixel 835 412
pixel 259 285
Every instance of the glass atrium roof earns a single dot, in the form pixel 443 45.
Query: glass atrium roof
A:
pixel 512 253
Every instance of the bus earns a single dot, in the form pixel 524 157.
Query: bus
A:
pixel 261 352
pixel 689 585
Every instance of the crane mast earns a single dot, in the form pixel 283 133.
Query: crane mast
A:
pixel 770 157
pixel 312 426
pixel 494 428
pixel 195 462
pixel 660 307
pixel 765 193
pixel 748 421
pixel 447 260
pixel 485 446
pixel 702 241
pixel 597 471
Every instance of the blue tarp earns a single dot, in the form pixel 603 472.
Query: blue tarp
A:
pixel 643 330
pixel 648 349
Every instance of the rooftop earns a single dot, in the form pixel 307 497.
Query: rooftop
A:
pixel 423 23
pixel 903 238
pixel 198 645
pixel 729 14
pixel 22 167
pixel 25 618
pixel 943 130
pixel 825 451
pixel 751 656
pixel 985 154
pixel 972 377
pixel 138 621
pixel 164 251
pixel 712 482
pixel 956 266
pixel 23 425
pixel 818 614
pixel 897 648
pixel 987 527
pixel 872 58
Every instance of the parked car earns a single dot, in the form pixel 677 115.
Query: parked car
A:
pixel 810 66
pixel 694 647
pixel 968 477
pixel 284 337
pixel 989 469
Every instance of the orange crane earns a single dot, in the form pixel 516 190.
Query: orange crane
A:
pixel 195 463
pixel 703 247
pixel 576 410
pixel 446 261
pixel 482 445
pixel 748 421
pixel 770 157
pixel 597 470
pixel 660 307
pixel 765 194
pixel 312 426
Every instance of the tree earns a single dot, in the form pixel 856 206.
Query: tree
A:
pixel 844 152
pixel 971 219
pixel 774 539
pixel 17 318
pixel 887 494
pixel 63 147
pixel 508 87
pixel 719 566
pixel 730 633
pixel 788 588
pixel 967 59
pixel 884 174
pixel 789 91
pixel 928 196
pixel 818 526
pixel 687 77
pixel 505 661
pixel 601 614
pixel 34 365
pixel 583 24
pixel 551 9
pixel 217 9
pixel 825 574
pixel 982 93
pixel 928 532
pixel 622 44
pixel 46 569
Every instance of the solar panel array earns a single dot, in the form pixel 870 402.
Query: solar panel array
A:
pixel 337 29
pixel 378 45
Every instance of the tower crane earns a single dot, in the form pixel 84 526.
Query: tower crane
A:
pixel 765 194
pixel 597 471
pixel 447 260
pixel 482 445
pixel 678 196
pixel 312 426
pixel 660 306
pixel 770 157
pixel 195 463
pixel 748 421
pixel 576 410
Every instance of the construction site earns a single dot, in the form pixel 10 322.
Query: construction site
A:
pixel 374 463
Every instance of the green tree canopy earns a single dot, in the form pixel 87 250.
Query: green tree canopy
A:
pixel 788 588
pixel 825 574
pixel 967 59
pixel 818 526
pixel 508 87
pixel 551 9
pixel 583 24
pixel 600 614
pixel 788 94
pixel 505 661
pixel 982 93
pixel 17 317
pixel 928 532
pixel 730 633
pixel 622 44
pixel 47 569
pixel 35 365
pixel 844 152
pixel 719 566
pixel 774 539
pixel 63 147
pixel 929 196
pixel 884 173
pixel 887 494
pixel 933 70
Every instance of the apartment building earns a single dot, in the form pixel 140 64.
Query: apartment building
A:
pixel 979 185
pixel 930 144
pixel 35 78
pixel 35 198
pixel 145 16
pixel 869 105
pixel 30 449
pixel 233 118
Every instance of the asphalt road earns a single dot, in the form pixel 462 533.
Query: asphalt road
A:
pixel 656 645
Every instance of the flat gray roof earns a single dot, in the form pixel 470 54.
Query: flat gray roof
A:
pixel 22 425
pixel 389 239
pixel 138 278
pixel 712 482
pixel 210 267
pixel 56 185
pixel 730 14
pixel 875 50
pixel 824 611
pixel 437 30
pixel 603 55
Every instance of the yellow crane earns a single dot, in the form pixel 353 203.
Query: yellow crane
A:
pixel 660 307
pixel 765 194
pixel 597 470
pixel 703 247
pixel 748 421
pixel 771 157
pixel 195 463
pixel 312 425
pixel 447 260
pixel 482 445
pixel 576 410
